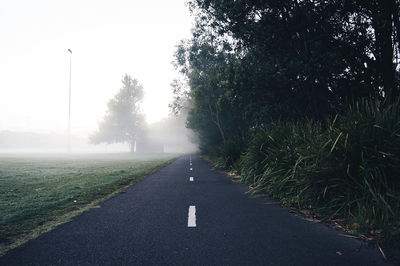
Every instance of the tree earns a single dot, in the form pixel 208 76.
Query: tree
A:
pixel 324 52
pixel 250 62
pixel 123 122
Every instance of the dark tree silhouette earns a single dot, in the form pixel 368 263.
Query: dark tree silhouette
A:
pixel 252 62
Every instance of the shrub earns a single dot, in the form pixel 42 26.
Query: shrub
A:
pixel 230 152
pixel 346 167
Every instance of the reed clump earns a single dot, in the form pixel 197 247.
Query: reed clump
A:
pixel 345 168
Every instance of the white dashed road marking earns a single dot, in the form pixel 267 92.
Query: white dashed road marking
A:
pixel 192 216
pixel 192 208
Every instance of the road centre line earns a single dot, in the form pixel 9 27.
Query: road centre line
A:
pixel 192 216
pixel 191 169
pixel 191 179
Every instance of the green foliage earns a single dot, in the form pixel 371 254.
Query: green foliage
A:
pixel 230 152
pixel 265 80
pixel 314 52
pixel 123 121
pixel 250 63
pixel 346 167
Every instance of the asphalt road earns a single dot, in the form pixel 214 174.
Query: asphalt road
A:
pixel 150 224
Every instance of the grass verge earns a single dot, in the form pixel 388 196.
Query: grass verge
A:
pixel 39 193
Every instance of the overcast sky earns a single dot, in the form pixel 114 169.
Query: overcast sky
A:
pixel 107 37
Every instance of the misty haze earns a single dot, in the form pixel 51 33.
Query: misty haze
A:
pixel 85 105
pixel 58 77
pixel 200 132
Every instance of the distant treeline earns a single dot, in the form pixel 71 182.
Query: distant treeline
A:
pixel 11 140
pixel 16 141
pixel 301 99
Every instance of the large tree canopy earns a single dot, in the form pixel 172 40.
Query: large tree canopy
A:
pixel 301 98
pixel 250 62
pixel 123 122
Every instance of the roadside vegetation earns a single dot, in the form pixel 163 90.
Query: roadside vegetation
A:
pixel 39 192
pixel 301 99
pixel 342 169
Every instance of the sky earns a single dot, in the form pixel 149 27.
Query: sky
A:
pixel 108 38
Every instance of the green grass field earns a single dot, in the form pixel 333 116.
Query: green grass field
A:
pixel 39 192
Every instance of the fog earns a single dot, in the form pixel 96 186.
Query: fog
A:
pixel 30 142
pixel 107 39
pixel 169 135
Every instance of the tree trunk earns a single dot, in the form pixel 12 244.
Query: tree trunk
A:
pixel 383 26
pixel 216 119
pixel 132 146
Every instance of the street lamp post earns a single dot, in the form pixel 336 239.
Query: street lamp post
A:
pixel 69 101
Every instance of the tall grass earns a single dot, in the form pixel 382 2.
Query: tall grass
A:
pixel 347 167
pixel 229 153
